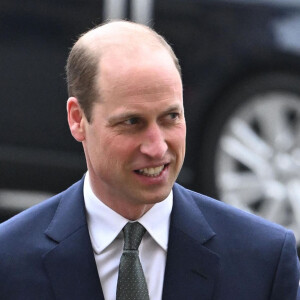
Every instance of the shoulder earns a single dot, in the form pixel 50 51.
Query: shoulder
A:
pixel 251 249
pixel 31 224
pixel 229 222
pixel 25 238
pixel 27 227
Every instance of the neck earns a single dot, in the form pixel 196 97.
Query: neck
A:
pixel 131 213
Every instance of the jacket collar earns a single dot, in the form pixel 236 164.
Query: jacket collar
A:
pixel 70 264
pixel 191 269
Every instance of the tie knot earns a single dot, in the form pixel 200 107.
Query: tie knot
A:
pixel 133 234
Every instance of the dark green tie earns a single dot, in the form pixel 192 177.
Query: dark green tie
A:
pixel 131 281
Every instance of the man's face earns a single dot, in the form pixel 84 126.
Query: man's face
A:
pixel 135 142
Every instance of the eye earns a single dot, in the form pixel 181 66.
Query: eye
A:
pixel 131 121
pixel 174 115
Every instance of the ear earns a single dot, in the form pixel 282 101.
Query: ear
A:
pixel 76 119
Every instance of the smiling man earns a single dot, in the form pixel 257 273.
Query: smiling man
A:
pixel 126 230
pixel 134 141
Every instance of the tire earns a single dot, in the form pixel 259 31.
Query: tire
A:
pixel 250 152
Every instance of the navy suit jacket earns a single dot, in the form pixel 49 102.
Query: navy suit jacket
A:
pixel 215 252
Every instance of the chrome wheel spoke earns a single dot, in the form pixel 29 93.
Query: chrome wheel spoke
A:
pixel 272 115
pixel 258 160
pixel 245 186
pixel 247 136
pixel 274 202
pixel 241 153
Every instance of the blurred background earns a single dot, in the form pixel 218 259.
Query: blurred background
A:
pixel 241 73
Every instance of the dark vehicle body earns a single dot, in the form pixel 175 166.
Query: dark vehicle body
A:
pixel 228 50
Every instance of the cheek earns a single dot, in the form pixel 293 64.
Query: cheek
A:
pixel 178 138
pixel 96 146
pixel 178 146
pixel 118 150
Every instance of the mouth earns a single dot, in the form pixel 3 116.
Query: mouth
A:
pixel 152 171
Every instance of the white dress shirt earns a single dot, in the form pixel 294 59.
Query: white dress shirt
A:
pixel 105 228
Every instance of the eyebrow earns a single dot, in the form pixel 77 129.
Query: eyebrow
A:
pixel 123 116
pixel 173 108
pixel 133 114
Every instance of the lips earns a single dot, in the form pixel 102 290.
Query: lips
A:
pixel 151 171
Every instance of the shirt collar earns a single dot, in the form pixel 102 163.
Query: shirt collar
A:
pixel 105 224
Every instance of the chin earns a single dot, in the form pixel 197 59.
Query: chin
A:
pixel 156 198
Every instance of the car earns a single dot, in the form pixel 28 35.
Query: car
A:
pixel 241 75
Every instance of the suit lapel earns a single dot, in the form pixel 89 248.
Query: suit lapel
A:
pixel 191 269
pixel 70 264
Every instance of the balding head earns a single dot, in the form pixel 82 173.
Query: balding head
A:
pixel 120 39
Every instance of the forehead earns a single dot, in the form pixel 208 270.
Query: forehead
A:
pixel 136 73
pixel 142 85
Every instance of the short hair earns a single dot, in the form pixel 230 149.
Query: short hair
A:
pixel 82 68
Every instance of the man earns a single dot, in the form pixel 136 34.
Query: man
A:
pixel 126 108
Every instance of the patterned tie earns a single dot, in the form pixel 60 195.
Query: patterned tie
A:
pixel 131 281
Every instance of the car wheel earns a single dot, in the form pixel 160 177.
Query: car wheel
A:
pixel 251 149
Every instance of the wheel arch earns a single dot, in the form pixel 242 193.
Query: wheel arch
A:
pixel 235 81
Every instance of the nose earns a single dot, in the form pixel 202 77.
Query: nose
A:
pixel 154 144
